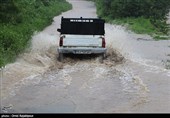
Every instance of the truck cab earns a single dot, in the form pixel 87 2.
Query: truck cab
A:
pixel 82 36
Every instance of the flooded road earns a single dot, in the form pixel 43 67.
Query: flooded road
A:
pixel 134 78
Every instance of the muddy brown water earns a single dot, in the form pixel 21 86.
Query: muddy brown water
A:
pixel 133 77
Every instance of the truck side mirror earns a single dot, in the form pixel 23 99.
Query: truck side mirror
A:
pixel 59 30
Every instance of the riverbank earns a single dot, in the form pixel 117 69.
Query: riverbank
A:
pixel 141 17
pixel 32 16
pixel 141 25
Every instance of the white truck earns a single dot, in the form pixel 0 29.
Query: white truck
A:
pixel 82 36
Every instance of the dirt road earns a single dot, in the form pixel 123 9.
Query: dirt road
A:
pixel 134 77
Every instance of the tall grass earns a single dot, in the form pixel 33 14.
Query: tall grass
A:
pixel 33 16
pixel 141 16
pixel 141 25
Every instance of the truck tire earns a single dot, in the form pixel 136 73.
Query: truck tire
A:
pixel 61 57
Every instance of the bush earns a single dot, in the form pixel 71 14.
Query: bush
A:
pixel 154 10
pixel 22 20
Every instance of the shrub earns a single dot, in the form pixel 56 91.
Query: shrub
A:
pixel 22 20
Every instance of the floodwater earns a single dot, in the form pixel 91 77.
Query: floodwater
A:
pixel 134 77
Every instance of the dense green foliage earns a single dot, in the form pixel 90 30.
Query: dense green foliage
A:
pixel 153 11
pixel 19 19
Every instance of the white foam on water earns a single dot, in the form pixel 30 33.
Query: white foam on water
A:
pixel 42 41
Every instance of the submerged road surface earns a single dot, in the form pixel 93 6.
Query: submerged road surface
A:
pixel 134 78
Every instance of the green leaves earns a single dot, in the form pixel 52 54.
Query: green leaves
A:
pixel 134 8
pixel 155 10
pixel 25 17
pixel 8 12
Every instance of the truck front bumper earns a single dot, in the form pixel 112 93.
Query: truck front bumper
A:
pixel 81 50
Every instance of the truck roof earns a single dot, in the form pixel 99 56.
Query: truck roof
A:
pixel 82 26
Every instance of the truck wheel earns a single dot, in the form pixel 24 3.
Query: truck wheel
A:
pixel 61 57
